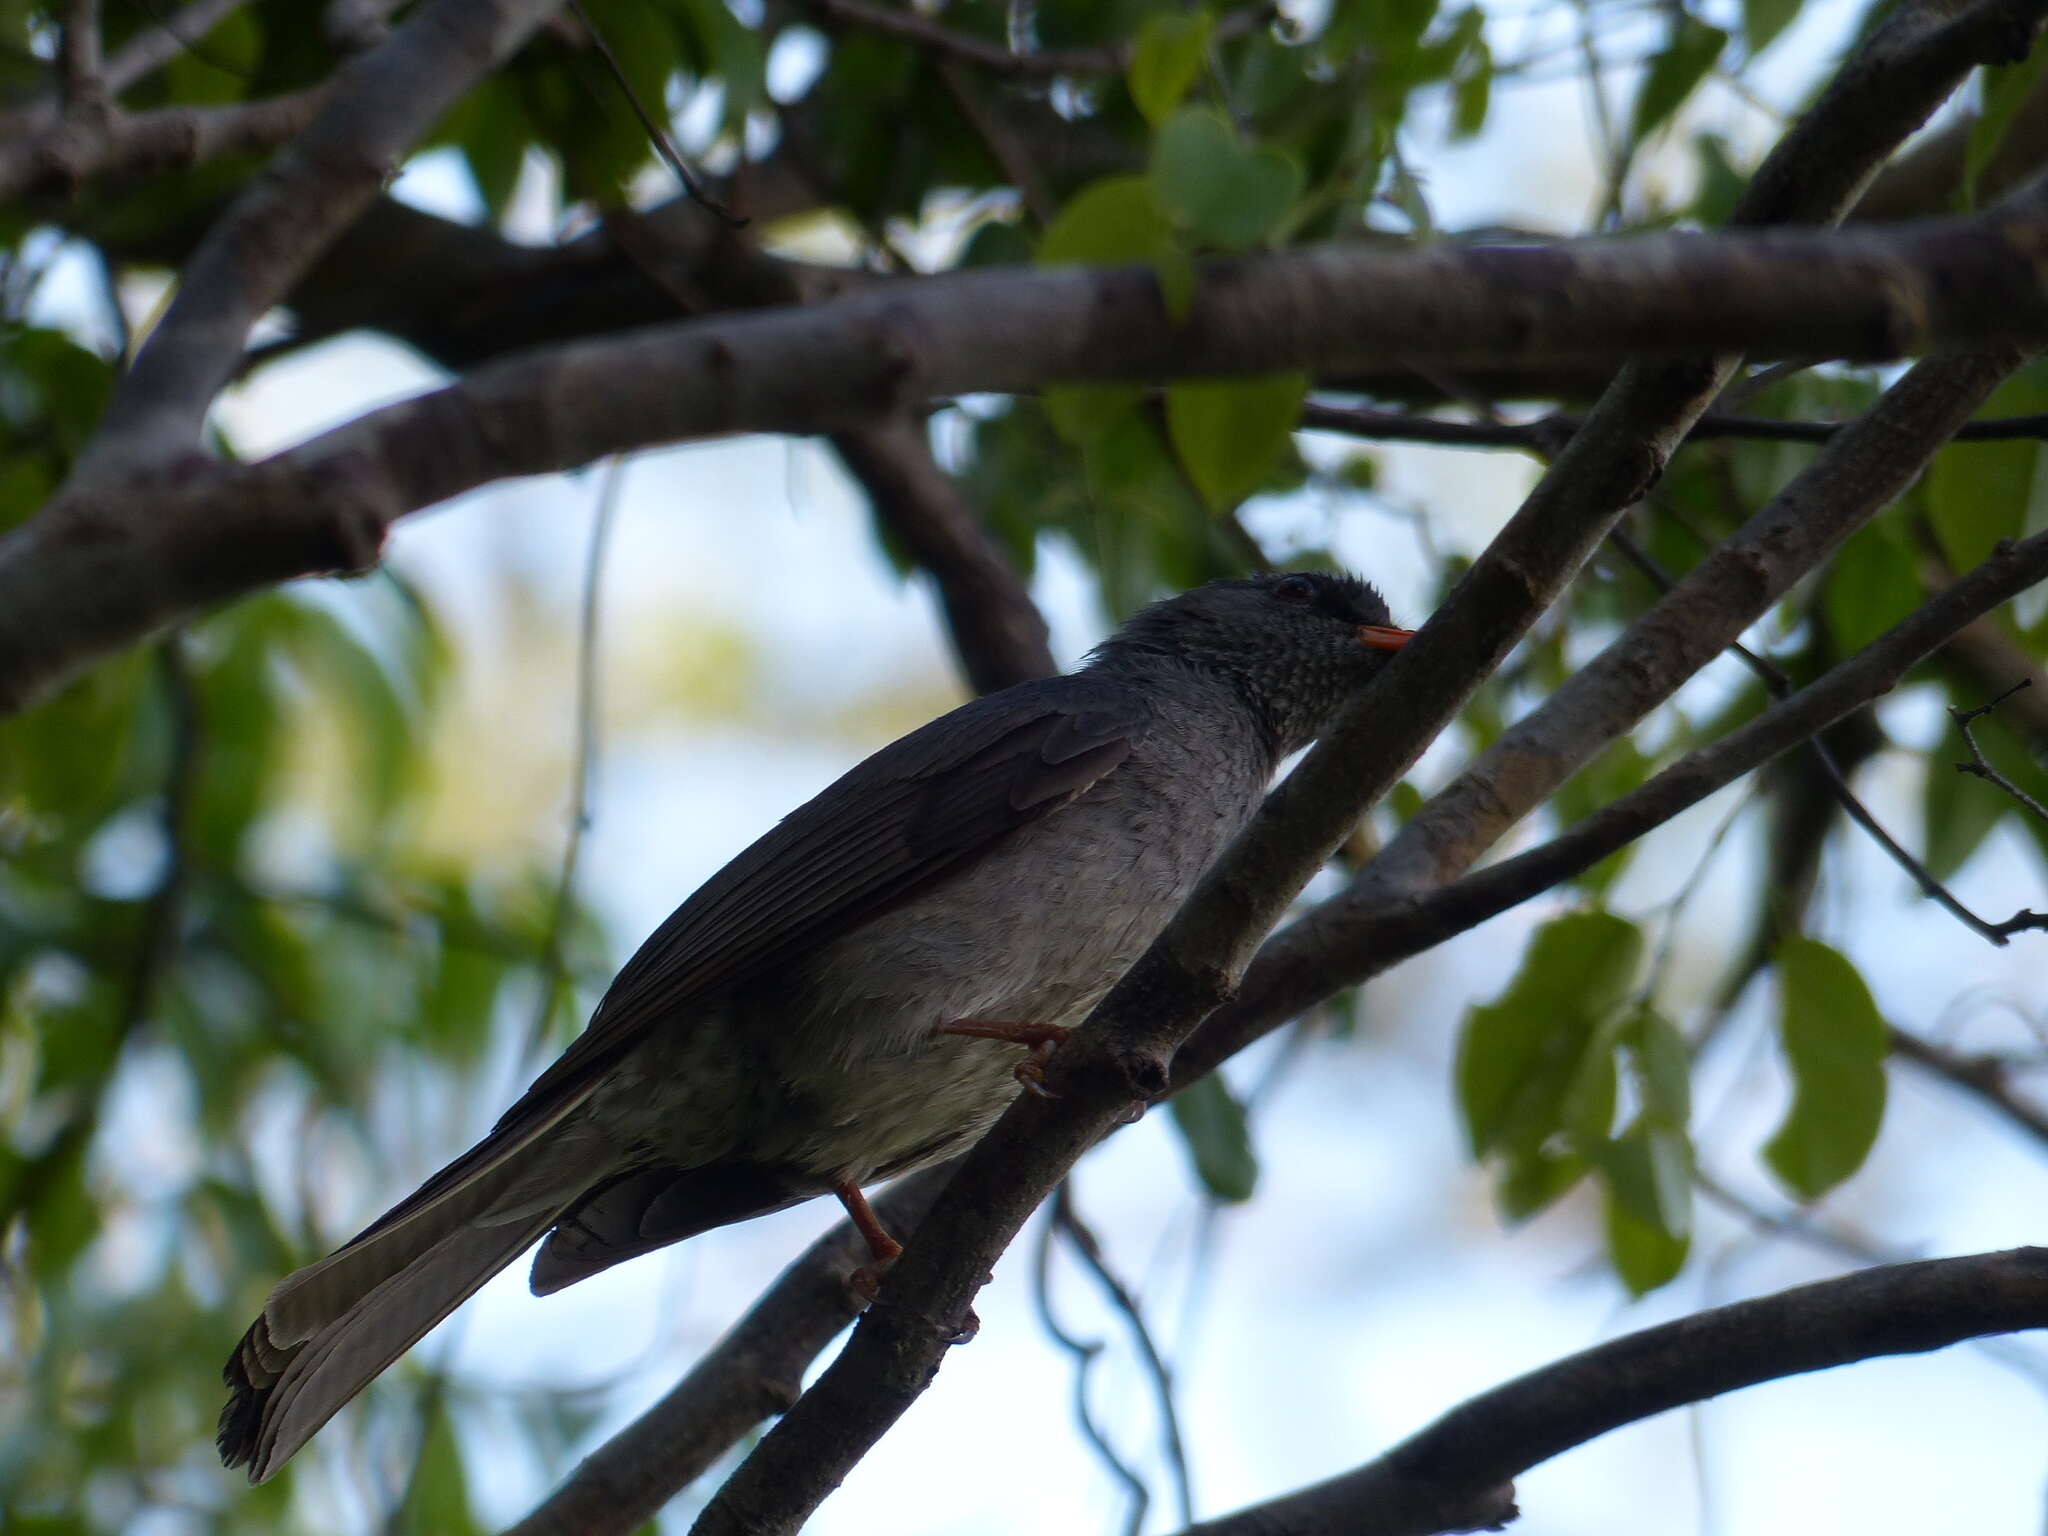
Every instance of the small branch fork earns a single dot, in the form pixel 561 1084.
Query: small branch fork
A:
pixel 1978 767
pixel 1780 686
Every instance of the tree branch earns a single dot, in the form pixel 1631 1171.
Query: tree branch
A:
pixel 1456 1475
pixel 998 633
pixel 1122 1053
pixel 1851 478
pixel 934 37
pixel 148 51
pixel 1346 941
pixel 288 215
pixel 725 1396
pixel 1544 434
pixel 79 146
pixel 1988 1078
pixel 1978 766
pixel 754 1372
pixel 103 565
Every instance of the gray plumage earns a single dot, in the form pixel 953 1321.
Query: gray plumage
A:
pixel 775 1035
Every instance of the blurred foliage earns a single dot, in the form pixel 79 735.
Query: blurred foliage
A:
pixel 224 937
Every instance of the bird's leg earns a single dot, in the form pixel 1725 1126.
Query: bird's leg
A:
pixel 1042 1038
pixel 868 1278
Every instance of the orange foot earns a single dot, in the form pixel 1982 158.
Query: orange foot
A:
pixel 867 1280
pixel 1043 1039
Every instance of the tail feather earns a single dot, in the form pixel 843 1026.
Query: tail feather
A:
pixel 280 1394
pixel 326 1330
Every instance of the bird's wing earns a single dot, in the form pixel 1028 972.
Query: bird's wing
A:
pixel 882 833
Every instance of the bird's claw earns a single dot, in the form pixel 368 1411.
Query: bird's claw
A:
pixel 1031 1071
pixel 866 1282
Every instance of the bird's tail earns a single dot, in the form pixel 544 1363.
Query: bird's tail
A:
pixel 326 1330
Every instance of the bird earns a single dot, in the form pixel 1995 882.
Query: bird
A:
pixel 858 994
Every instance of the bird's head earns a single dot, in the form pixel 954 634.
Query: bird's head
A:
pixel 1294 644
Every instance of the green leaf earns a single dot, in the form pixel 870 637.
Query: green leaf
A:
pixel 1834 1042
pixel 1616 771
pixel 1763 20
pixel 1644 1254
pixel 1649 1171
pixel 1675 73
pixel 1212 1126
pixel 1958 812
pixel 2006 88
pixel 1115 222
pixel 1720 184
pixel 1230 433
pixel 1165 60
pixel 1872 584
pixel 1979 493
pixel 1521 1056
pixel 1080 413
pixel 1471 90
pixel 1663 1064
pixel 1535 1182
pixel 1223 191
pixel 439 1496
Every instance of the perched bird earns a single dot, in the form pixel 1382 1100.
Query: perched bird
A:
pixel 844 1001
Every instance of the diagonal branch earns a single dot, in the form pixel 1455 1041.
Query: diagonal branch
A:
pixel 1342 943
pixel 1123 1052
pixel 997 631
pixel 751 1373
pixel 1456 1475
pixel 289 215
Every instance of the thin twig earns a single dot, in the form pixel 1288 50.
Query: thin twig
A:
pixel 1067 1219
pixel 1547 433
pixel 173 35
pixel 656 134
pixel 1986 1077
pixel 1977 767
pixel 1781 687
pixel 1043 64
pixel 554 971
pixel 1085 1352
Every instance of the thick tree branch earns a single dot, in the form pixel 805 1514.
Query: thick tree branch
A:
pixel 1457 1474
pixel 105 564
pixel 289 214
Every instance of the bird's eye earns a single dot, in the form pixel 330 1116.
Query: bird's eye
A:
pixel 1295 589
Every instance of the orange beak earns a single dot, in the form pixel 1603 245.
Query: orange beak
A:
pixel 1378 637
